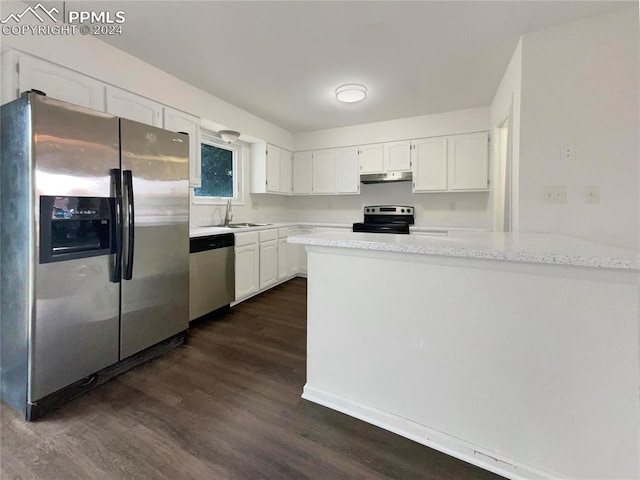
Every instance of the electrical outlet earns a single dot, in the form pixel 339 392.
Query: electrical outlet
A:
pixel 567 153
pixel 452 206
pixel 592 194
pixel 554 194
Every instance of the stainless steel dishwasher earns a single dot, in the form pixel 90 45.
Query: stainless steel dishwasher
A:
pixel 212 277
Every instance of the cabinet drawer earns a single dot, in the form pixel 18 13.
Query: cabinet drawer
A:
pixel 267 235
pixel 246 238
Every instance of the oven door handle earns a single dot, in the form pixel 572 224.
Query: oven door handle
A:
pixel 127 178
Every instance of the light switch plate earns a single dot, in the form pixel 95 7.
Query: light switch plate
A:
pixel 554 194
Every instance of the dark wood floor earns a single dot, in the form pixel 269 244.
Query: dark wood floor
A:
pixel 225 406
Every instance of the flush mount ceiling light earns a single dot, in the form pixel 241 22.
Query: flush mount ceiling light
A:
pixel 351 93
pixel 229 136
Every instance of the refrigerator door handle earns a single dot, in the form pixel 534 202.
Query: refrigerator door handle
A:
pixel 116 181
pixel 128 185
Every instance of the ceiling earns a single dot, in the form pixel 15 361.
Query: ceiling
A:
pixel 282 61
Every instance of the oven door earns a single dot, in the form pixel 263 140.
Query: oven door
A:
pixel 397 228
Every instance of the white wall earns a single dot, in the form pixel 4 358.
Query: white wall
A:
pixel 432 209
pixel 580 89
pixel 97 59
pixel 94 58
pixel 507 102
pixel 448 123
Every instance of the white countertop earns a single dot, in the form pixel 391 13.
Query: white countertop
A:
pixel 514 247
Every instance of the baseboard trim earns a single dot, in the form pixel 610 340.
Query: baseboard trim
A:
pixel 437 440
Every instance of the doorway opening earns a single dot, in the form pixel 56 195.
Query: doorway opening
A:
pixel 502 211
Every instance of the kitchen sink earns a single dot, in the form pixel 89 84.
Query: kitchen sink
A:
pixel 244 225
pixel 236 225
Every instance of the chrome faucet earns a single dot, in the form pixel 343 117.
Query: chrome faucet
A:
pixel 228 216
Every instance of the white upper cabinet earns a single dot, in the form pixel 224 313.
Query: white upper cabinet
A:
pixel 270 169
pixel 273 168
pixel 429 158
pixel 178 121
pixel 55 81
pixel 456 163
pixel 323 172
pixel 371 158
pixel 286 171
pixel 302 173
pixel 326 172
pixel 469 161
pixel 397 156
pixel 134 107
pixel 347 171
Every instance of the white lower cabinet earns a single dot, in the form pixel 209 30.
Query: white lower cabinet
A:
pixel 302 251
pixel 287 254
pixel 292 257
pixel 247 264
pixel 283 259
pixel 268 258
pixel 265 258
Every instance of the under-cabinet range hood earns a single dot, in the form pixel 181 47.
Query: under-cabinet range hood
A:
pixel 386 177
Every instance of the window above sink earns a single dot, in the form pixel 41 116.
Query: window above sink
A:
pixel 221 176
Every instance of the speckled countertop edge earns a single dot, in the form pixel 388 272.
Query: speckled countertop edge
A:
pixel 612 262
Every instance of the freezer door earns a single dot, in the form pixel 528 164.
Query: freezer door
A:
pixel 155 285
pixel 75 328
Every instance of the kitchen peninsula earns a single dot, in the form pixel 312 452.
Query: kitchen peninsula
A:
pixel 516 352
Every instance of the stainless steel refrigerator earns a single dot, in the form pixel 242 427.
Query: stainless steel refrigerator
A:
pixel 94 243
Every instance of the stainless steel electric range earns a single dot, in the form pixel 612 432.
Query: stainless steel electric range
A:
pixel 386 219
